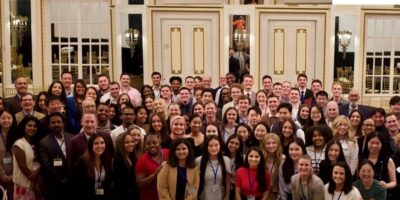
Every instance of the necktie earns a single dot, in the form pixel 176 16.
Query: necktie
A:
pixel 302 97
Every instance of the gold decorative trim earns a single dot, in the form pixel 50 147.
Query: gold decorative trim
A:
pixel 323 10
pixel 301 50
pixel 165 9
pixel 198 68
pixel 279 51
pixel 175 43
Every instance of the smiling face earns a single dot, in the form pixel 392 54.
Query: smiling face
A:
pixel 174 110
pixel 253 157
pixel 152 144
pixel 199 110
pixel 374 145
pixel 156 123
pixel 366 173
pixel 355 119
pixel 259 132
pixel 261 98
pixel 233 145
pixel 99 146
pixel 304 166
pixel 334 152
pixel 56 89
pixel 195 124
pixel 368 126
pixel 231 116
pixel 271 145
pixel 31 128
pixel 178 127
pixel 129 144
pixel 6 120
pixel 342 128
pixel 287 129
pixel 136 135
pixel 243 132
pixel 304 112
pixel 338 175
pixel 211 130
pixel 295 151
pixel 315 114
pixel 318 139
pixel 149 103
pixel 182 151
pixel 213 147
pixel 92 93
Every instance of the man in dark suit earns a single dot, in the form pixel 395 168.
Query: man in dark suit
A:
pixel 13 103
pixel 78 145
pixel 305 93
pixel 353 104
pixel 52 151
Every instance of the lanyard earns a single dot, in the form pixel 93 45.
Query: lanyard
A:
pixel 317 160
pixel 58 146
pixel 251 183
pixel 215 171
pixel 99 176
pixel 340 195
pixel 182 174
pixel 303 196
pixel 272 168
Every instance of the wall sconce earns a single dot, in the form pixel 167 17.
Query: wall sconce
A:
pixel 239 37
pixel 131 39
pixel 19 24
pixel 344 40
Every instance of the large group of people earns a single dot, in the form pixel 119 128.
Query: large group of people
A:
pixel 186 140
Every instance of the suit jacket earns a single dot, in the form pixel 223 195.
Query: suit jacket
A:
pixel 252 98
pixel 364 110
pixel 20 116
pixel 14 104
pixel 78 146
pixel 54 177
pixel 313 191
pixel 308 95
pixel 167 181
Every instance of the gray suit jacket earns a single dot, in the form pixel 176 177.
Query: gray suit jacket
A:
pixel 313 191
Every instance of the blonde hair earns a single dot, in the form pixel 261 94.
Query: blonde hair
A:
pixel 165 109
pixel 339 120
pixel 278 153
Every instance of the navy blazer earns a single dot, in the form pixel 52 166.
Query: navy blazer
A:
pixel 364 110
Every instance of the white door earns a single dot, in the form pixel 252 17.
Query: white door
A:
pixel 291 46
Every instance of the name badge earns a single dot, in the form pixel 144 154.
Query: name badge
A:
pixel 251 198
pixel 99 191
pixel 57 162
pixel 215 188
pixel 191 189
pixel 6 160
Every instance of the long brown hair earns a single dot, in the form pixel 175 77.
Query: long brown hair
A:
pixel 105 158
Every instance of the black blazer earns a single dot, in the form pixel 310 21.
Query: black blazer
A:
pixel 14 104
pixel 124 180
pixel 78 146
pixel 53 177
pixel 82 187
